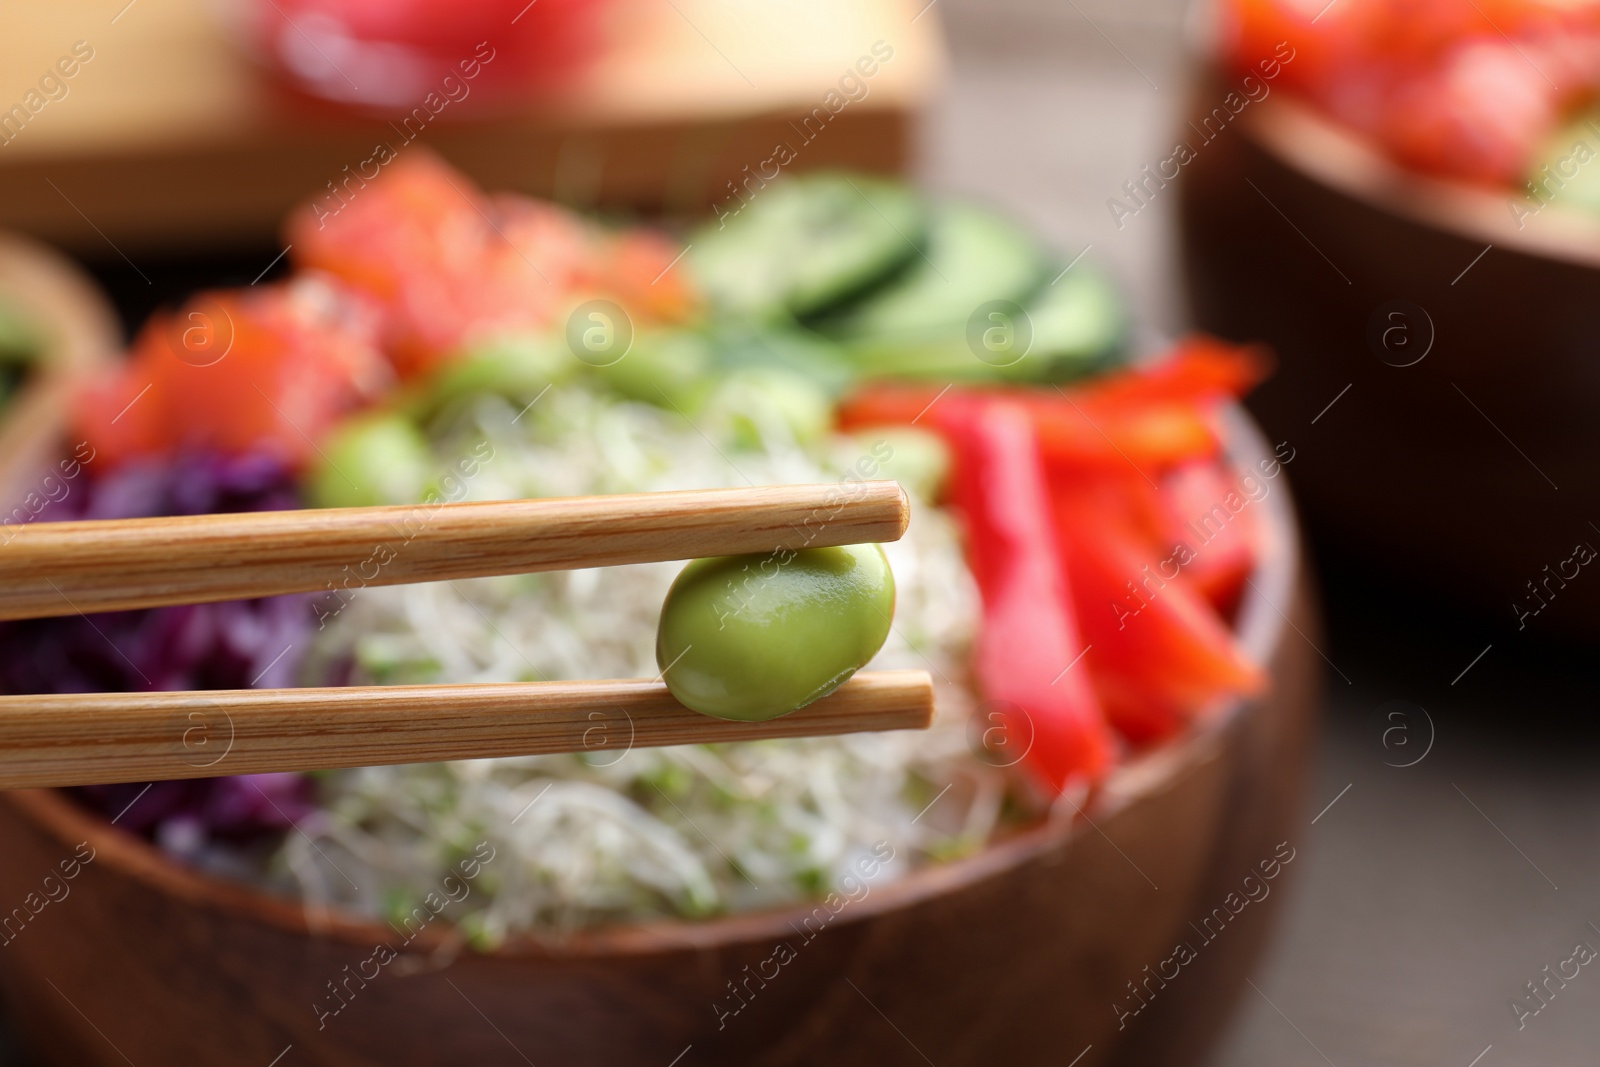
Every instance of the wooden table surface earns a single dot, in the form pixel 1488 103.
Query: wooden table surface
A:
pixel 165 138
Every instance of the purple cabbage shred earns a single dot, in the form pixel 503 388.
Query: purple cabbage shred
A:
pixel 231 645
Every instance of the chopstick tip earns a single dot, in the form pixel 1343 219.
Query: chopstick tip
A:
pixel 903 503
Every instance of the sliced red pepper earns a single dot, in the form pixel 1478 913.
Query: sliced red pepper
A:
pixel 1149 436
pixel 1199 369
pixel 1161 653
pixel 1209 512
pixel 1028 642
pixel 1122 497
pixel 888 404
pixel 1149 417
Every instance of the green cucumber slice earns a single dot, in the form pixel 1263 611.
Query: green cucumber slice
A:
pixel 973 257
pixel 804 243
pixel 1075 326
pixel 1079 323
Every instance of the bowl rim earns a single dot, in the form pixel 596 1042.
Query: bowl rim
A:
pixel 1302 138
pixel 82 335
pixel 1261 628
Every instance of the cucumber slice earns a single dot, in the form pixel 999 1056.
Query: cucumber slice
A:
pixel 804 243
pixel 1074 327
pixel 370 460
pixel 1079 324
pixel 973 257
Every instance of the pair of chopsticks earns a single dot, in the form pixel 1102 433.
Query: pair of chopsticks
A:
pixel 51 569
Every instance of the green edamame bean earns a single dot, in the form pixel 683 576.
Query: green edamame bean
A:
pixel 755 637
pixel 517 366
pixel 668 368
pixel 372 459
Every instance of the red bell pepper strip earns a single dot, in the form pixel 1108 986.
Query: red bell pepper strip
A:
pixel 1146 435
pixel 1028 645
pixel 1150 417
pixel 1161 652
pixel 1199 369
pixel 1208 511
pixel 1149 436
pixel 1106 455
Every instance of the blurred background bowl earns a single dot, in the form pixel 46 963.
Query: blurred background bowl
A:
pixel 1021 954
pixel 169 145
pixel 1436 359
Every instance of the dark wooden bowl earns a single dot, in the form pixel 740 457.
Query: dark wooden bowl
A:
pixel 1471 374
pixel 1018 955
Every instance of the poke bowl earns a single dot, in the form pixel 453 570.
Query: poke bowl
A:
pixel 1403 209
pixel 1080 858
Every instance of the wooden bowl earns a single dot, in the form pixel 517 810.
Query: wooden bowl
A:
pixel 1022 954
pixel 1471 371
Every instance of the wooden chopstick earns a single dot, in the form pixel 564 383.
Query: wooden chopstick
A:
pixel 62 568
pixel 85 738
